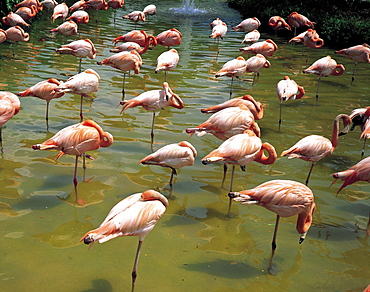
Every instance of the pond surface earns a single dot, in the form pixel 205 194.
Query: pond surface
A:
pixel 195 246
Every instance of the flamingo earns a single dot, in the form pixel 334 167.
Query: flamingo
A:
pixel 96 5
pixel 79 16
pixel 148 41
pixel 324 67
pixel 241 149
pixel 219 31
pixel 16 34
pixel 80 49
pixel 60 11
pixel 169 38
pixel 255 64
pixel 227 123
pixel 124 61
pixel 150 9
pixel 357 54
pixel 233 68
pixel 9 106
pixel 44 90
pixel 2 36
pixel 135 16
pixel 76 140
pixel 215 22
pixel 310 38
pixel 67 28
pixel 173 156
pixel 49 4
pixel 137 36
pixel 288 89
pixel 82 83
pixel 314 147
pixel 358 172
pixel 266 48
pixel 135 215
pixel 254 107
pixel 251 37
pixel 286 198
pixel 278 23
pixel 14 19
pixel 154 100
pixel 115 4
pixel 248 25
pixel 79 5
pixel 298 20
pixel 29 3
pixel 167 61
pixel 27 12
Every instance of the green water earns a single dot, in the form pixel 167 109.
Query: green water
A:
pixel 194 247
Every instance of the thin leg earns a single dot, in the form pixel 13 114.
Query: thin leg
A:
pixel 363 149
pixel 172 174
pixel 273 243
pixel 231 189
pixel 309 174
pixel 123 85
pixel 231 86
pixel 152 132
pixel 1 139
pixel 81 115
pixel 281 105
pixel 134 274
pixel 317 89
pixel 79 65
pixel 47 115
pixel 84 166
pixel 224 177
pixel 353 74
pixel 75 173
pixel 165 76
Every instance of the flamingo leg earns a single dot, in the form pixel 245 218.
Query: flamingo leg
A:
pixel 75 182
pixel 231 187
pixel 47 115
pixel 281 105
pixel 152 132
pixel 1 139
pixel 123 85
pixel 317 89
pixel 353 74
pixel 79 65
pixel 309 173
pixel 224 177
pixel 134 274
pixel 84 166
pixel 172 173
pixel 363 149
pixel 273 243
pixel 81 115
pixel 165 76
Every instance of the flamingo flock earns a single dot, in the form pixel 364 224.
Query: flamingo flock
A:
pixel 233 122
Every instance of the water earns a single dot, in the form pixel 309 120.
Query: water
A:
pixel 194 247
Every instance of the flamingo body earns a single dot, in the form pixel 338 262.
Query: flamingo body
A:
pixel 256 63
pixel 49 4
pixel 43 90
pixel 248 25
pixel 60 11
pixel 14 19
pixel 124 61
pixel 298 20
pixel 309 38
pixel 359 53
pixel 167 61
pixel 79 16
pixel 135 16
pixel 278 23
pixel 288 89
pixel 2 36
pixel 115 4
pixel 219 31
pixel 266 48
pixel 17 34
pixel 80 49
pixel 27 12
pixel 233 68
pixel 251 37
pixel 137 36
pixel 9 106
pixel 67 28
pixel 150 9
pixel 324 67
pixel 169 38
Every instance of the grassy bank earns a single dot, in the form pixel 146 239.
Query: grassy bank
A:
pixel 340 23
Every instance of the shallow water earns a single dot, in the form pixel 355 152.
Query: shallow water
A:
pixel 194 247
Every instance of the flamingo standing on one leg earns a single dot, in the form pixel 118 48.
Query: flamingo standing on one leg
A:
pixel 60 11
pixel 310 39
pixel 278 23
pixel 134 41
pixel 83 84
pixel 167 61
pixel 173 156
pixel 44 90
pixel 169 38
pixel 80 49
pixel 9 106
pixel 67 28
pixel 255 64
pixel 79 16
pixel 135 215
pixel 357 54
pixel 251 37
pixel 241 150
pixel 266 48
pixel 218 32
pixel 314 147
pixel 324 67
pixel 76 140
pixel 154 100
pixel 358 172
pixel 287 89
pixel 298 20
pixel 16 34
pixel 150 9
pixel 286 198
pixel 115 4
pixel 233 68
pixel 135 16
pixel 248 25
pixel 14 19
pixel 124 61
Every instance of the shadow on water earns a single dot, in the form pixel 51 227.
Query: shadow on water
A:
pixel 100 285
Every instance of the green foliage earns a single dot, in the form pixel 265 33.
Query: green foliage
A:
pixel 341 23
pixel 6 6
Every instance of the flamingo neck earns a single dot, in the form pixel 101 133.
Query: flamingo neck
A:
pixel 338 70
pixel 334 136
pixel 262 158
pixel 305 219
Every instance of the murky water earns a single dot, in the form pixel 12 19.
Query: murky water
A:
pixel 194 247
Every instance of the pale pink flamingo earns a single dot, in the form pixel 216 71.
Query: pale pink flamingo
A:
pixel 96 5
pixel 254 106
pixel 135 16
pixel 2 36
pixel 9 106
pixel 67 28
pixel 29 3
pixel 60 11
pixel 80 49
pixel 278 23
pixel 115 4
pixel 167 61
pixel 49 4
pixel 14 19
pixel 286 198
pixel 298 20
pixel 233 68
pixel 44 90
pixel 124 61
pixel 251 37
pixel 27 12
pixel 149 40
pixel 241 149
pixel 227 123
pixel 266 48
pixel 219 31
pixel 324 67
pixel 78 5
pixel 314 147
pixel 150 9
pixel 248 24
pixel 358 172
pixel 82 83
pixel 76 140
pixel 288 89
pixel 173 156
pixel 310 39
pixel 137 36
pixel 255 64
pixel 169 38
pixel 215 22
pixel 357 54
pixel 16 34
pixel 135 215
pixel 79 16
pixel 154 100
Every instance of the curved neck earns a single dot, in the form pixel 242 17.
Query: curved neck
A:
pixel 338 70
pixel 271 158
pixel 334 136
pixel 146 42
pixel 301 92
pixel 257 111
pixel 305 219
